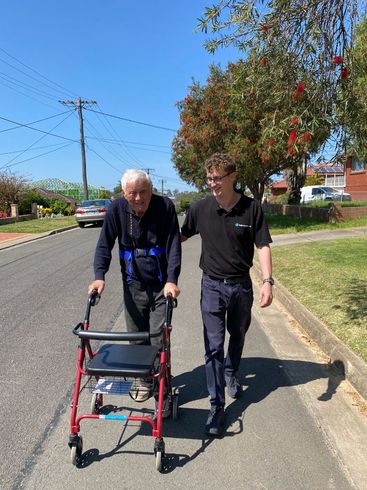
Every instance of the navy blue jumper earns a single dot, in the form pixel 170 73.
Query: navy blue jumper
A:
pixel 150 256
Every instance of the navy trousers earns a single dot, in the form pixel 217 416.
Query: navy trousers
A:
pixel 224 306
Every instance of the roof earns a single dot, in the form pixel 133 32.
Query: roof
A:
pixel 327 168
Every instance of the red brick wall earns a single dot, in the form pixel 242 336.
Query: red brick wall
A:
pixel 356 182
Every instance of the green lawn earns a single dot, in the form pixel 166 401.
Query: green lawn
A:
pixel 330 279
pixel 38 225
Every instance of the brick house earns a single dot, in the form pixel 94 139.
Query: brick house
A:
pixel 356 179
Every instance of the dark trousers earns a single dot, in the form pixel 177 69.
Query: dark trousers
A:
pixel 224 306
pixel 144 308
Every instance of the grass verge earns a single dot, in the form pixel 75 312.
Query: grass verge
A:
pixel 38 225
pixel 330 279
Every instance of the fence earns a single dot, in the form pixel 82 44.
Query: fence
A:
pixel 335 212
pixel 15 216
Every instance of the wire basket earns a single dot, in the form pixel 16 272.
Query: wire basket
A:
pixel 134 387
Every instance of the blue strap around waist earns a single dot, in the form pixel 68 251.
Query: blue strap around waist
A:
pixel 129 253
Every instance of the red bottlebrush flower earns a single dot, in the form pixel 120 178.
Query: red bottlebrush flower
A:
pixel 337 60
pixel 265 28
pixel 294 121
pixel 271 142
pixel 290 150
pixel 307 136
pixel 344 73
pixel 300 87
pixel 263 61
pixel 292 137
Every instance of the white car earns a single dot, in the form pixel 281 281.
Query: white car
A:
pixel 321 192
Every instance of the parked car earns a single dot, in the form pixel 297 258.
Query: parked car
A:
pixel 320 192
pixel 92 211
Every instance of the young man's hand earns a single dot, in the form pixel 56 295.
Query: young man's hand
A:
pixel 266 295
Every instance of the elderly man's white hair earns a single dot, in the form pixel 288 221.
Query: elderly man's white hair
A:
pixel 133 175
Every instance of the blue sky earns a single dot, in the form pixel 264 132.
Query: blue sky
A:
pixel 136 59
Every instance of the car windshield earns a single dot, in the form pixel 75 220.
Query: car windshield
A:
pixel 95 202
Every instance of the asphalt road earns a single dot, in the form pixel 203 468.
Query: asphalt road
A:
pixel 280 434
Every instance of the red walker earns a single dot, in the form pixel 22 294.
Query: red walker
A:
pixel 114 368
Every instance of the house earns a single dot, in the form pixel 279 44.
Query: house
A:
pixel 333 177
pixel 356 179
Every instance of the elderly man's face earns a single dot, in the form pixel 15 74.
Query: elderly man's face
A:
pixel 138 194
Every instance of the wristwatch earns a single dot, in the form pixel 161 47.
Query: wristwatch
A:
pixel 270 280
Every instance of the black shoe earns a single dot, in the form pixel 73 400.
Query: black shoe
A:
pixel 234 389
pixel 215 423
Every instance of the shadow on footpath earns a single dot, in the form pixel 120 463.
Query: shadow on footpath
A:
pixel 260 375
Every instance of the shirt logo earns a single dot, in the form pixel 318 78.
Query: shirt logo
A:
pixel 241 225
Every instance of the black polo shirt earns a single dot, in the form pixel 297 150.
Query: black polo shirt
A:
pixel 228 238
pixel 157 228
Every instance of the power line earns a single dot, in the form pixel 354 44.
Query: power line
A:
pixel 133 121
pixel 127 151
pixel 37 156
pixel 65 90
pixel 39 139
pixel 32 149
pixel 33 122
pixel 39 130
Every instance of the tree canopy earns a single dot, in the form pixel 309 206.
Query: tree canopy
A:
pixel 318 35
pixel 237 111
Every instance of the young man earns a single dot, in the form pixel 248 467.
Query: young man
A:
pixel 148 236
pixel 230 224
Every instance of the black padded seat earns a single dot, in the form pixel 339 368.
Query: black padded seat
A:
pixel 123 360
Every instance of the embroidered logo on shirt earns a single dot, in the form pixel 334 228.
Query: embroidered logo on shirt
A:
pixel 242 226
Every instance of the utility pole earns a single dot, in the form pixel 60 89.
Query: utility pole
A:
pixel 148 170
pixel 162 181
pixel 80 104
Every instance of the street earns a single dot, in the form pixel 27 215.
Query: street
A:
pixel 295 427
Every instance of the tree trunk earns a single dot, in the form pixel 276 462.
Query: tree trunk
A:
pixel 296 178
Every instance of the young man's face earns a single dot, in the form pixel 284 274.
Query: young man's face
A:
pixel 220 182
pixel 138 194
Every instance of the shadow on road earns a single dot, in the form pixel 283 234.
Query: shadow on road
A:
pixel 259 377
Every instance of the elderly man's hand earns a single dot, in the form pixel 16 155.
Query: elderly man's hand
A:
pixel 98 284
pixel 171 289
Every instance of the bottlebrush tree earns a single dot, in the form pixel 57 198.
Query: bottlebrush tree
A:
pixel 238 111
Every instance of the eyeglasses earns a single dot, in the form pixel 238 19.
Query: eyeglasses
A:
pixel 216 180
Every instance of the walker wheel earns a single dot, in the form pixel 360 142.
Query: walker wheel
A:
pixel 76 451
pixel 159 454
pixel 158 460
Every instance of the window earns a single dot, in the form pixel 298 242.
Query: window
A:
pixel 358 165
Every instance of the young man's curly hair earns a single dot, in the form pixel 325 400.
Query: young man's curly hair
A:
pixel 220 162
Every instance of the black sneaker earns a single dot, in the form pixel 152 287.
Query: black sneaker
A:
pixel 215 423
pixel 234 389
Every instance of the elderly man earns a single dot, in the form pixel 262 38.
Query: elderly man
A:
pixel 147 231
pixel 230 224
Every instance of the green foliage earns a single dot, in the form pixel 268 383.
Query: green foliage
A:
pixel 239 111
pixel 12 189
pixel 25 204
pixel 105 195
pixel 352 102
pixel 60 207
pixel 317 179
